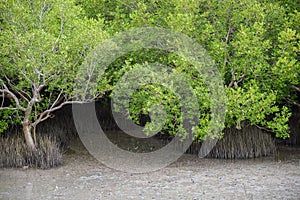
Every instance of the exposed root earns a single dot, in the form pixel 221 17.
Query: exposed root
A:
pixel 15 153
pixel 249 142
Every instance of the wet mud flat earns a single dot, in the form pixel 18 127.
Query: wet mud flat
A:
pixel 83 177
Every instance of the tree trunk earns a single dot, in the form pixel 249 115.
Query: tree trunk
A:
pixel 27 130
pixel 28 137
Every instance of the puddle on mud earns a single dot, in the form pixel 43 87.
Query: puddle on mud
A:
pixel 83 177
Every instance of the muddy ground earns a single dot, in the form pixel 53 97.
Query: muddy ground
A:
pixel 83 177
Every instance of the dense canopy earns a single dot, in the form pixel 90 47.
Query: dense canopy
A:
pixel 255 46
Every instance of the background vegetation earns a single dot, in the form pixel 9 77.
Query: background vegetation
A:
pixel 255 45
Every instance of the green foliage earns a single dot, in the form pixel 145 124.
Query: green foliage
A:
pixel 8 118
pixel 42 45
pixel 287 67
pixel 3 126
pixel 255 46
pixel 279 124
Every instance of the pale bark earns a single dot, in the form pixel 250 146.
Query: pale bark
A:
pixel 28 137
pixel 29 125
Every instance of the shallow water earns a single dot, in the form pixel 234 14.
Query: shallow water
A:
pixel 83 177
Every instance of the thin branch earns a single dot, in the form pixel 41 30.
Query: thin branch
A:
pixel 8 108
pixel 51 77
pixel 40 87
pixel 39 75
pixel 43 11
pixel 26 77
pixel 62 23
pixel 263 128
pixel 47 113
pixel 292 102
pixel 226 60
pixel 57 100
pixel 21 93
pixel 234 81
pixel 13 96
pixel 63 104
pixel 242 78
pixel 3 98
pixel 45 8
pixel 296 88
pixel 55 106
pixel 228 35
pixel 30 6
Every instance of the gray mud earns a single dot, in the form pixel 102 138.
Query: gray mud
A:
pixel 83 177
